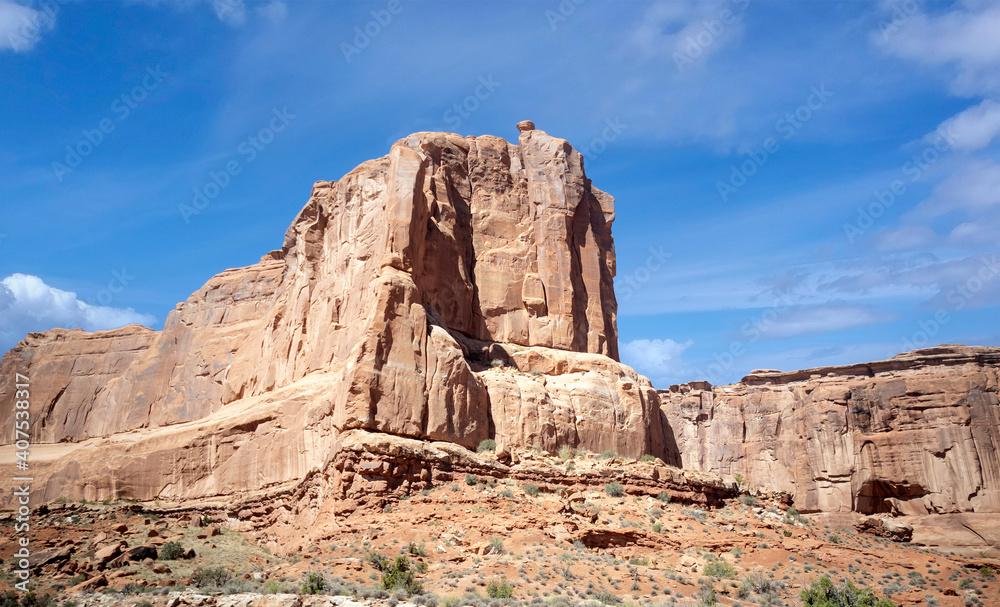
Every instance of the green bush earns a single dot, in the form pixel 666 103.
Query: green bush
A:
pixel 607 598
pixel 487 445
pixel 500 589
pixel 204 577
pixel 566 453
pixel 314 583
pixel 398 576
pixel 496 545
pixel 720 569
pixel 614 489
pixel 531 490
pixel 749 500
pixel 823 593
pixel 417 549
pixel 664 497
pixel 470 479
pixel 987 573
pixel 171 551
pixel 378 560
pixel 609 454
pixel 647 458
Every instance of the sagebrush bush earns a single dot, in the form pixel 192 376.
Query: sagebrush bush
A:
pixel 531 490
pixel 211 576
pixel 500 589
pixel 720 569
pixel 171 551
pixel 487 445
pixel 823 593
pixel 313 584
pixel 398 576
pixel 614 489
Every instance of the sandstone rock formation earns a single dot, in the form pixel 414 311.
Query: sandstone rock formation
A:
pixel 455 290
pixel 913 435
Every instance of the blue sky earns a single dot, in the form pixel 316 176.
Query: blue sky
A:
pixel 797 183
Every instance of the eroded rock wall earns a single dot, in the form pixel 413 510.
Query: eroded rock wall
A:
pixel 375 315
pixel 916 434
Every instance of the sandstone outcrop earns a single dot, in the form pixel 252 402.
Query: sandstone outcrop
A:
pixel 914 435
pixel 455 290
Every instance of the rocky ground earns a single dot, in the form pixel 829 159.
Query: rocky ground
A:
pixel 470 539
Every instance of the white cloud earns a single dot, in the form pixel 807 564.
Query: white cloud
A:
pixel 965 38
pixel 974 128
pixel 27 304
pixel 658 359
pixel 686 32
pixel 820 319
pixel 21 27
pixel 974 188
pixel 230 12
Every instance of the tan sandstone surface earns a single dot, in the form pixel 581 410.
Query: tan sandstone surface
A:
pixel 455 290
pixel 915 435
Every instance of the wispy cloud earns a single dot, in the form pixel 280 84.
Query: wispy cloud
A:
pixel 822 319
pixel 21 26
pixel 964 41
pixel 974 128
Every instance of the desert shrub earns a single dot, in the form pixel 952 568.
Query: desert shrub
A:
pixel 377 560
pixel 417 549
pixel 664 497
pixel 566 453
pixel 314 583
pixel 398 576
pixel 749 500
pixel 614 489
pixel 647 458
pixel 204 577
pixel 171 551
pixel 607 598
pixel 470 479
pixel 986 573
pixel 506 493
pixel 823 593
pixel 755 583
pixel 143 603
pixel 486 445
pixel 496 545
pixel 720 569
pixel 500 589
pixel 786 533
pixel 531 490
pixel 699 515
pixel 609 454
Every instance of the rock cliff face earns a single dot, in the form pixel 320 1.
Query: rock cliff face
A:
pixel 913 435
pixel 455 290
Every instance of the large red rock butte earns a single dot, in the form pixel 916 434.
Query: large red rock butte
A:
pixel 455 290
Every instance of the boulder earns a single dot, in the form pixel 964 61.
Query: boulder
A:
pixel 895 530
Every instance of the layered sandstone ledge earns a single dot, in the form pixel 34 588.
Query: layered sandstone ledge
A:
pixel 914 435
